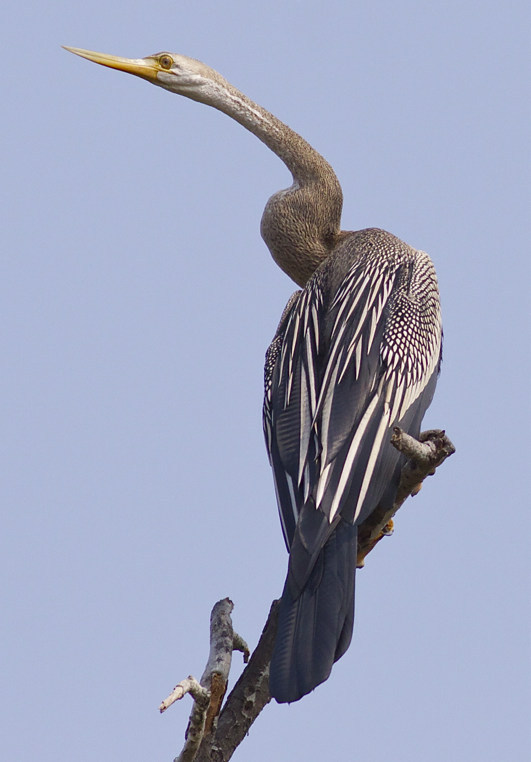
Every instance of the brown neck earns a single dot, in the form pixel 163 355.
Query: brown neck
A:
pixel 301 224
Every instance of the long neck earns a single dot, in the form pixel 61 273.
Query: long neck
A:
pixel 301 224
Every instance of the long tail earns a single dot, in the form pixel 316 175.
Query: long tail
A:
pixel 315 627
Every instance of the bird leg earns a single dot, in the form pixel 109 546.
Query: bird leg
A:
pixel 368 538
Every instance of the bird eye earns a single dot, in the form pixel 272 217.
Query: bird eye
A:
pixel 166 61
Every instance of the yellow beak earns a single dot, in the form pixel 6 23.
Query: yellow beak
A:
pixel 142 67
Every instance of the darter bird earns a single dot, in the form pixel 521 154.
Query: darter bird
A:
pixel 356 353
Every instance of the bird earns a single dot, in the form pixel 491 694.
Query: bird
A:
pixel 357 352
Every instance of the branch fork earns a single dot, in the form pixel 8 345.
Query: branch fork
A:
pixel 209 692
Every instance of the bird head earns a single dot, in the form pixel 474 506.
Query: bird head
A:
pixel 174 72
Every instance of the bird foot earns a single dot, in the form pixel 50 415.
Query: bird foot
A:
pixel 386 531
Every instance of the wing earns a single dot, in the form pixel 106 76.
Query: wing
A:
pixel 347 365
pixel 287 518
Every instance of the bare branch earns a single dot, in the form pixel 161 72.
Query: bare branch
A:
pixel 196 728
pixel 424 456
pixel 217 670
pixel 188 685
pixel 239 644
pixel 209 693
pixel 248 697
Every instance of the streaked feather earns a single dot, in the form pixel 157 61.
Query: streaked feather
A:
pixel 356 353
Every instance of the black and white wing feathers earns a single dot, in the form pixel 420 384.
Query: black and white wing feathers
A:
pixel 357 352
pixel 349 363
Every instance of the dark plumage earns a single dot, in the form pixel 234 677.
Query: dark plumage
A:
pixel 356 353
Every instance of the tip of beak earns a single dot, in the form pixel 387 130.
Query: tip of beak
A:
pixel 77 51
pixel 141 67
pixel 71 50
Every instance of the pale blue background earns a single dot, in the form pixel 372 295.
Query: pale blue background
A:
pixel 137 302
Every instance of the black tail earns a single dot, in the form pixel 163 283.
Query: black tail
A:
pixel 315 627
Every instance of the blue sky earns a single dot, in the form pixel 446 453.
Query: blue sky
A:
pixel 137 303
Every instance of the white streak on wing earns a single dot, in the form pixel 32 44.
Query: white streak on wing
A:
pixel 350 283
pixel 356 342
pixel 337 338
pixel 398 399
pixel 354 304
pixel 375 289
pixel 288 390
pixel 306 316
pixel 315 323
pixel 293 501
pixel 395 360
pixel 283 352
pixel 325 415
pixel 311 380
pixel 292 350
pixel 384 293
pixel 375 317
pixel 306 482
pixel 268 437
pixel 281 372
pixel 356 339
pixel 296 323
pixel 349 460
pixel 322 485
pixel 356 286
pixel 388 287
pixel 375 450
pixel 346 361
pixel 307 402
pixel 358 359
pixel 352 347
pixel 281 514
pixel 377 309
pixel 331 366
pixel 305 428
